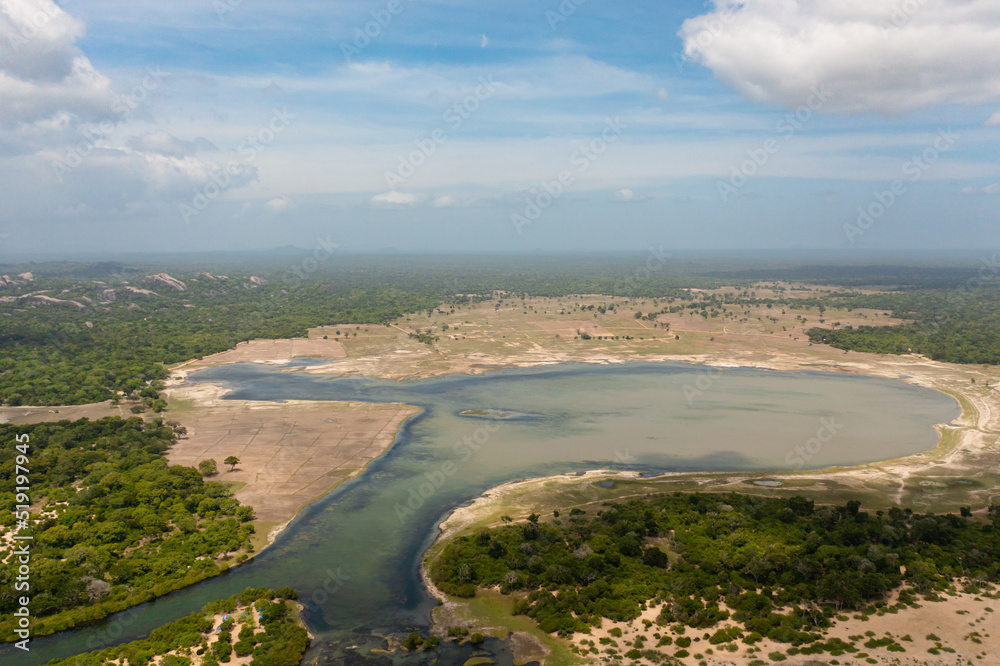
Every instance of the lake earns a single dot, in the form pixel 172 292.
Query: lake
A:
pixel 357 550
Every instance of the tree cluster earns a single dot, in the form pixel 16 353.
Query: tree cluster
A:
pixel 785 566
pixel 280 641
pixel 112 524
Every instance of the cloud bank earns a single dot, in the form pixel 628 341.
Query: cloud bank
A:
pixel 884 56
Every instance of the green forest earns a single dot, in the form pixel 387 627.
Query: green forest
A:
pixel 113 524
pixel 786 566
pixel 952 326
pixel 96 345
pixel 59 354
pixel 261 619
pixel 109 347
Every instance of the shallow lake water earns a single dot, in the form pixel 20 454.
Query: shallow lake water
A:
pixel 353 556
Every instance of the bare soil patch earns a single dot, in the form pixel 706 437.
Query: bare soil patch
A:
pixel 94 411
pixel 273 351
pixel 290 453
pixel 569 329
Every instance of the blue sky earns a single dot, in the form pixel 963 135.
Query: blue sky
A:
pixel 499 126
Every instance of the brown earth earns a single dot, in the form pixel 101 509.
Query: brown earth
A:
pixel 290 453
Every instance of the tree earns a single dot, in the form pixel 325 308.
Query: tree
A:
pixel 654 557
pixel 232 461
pixel 208 467
pixel 413 642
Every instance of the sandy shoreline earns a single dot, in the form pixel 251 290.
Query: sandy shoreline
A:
pixel 967 445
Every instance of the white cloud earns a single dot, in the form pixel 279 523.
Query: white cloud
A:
pixel 447 201
pixel 484 42
pixel 628 195
pixel 279 204
pixel 555 77
pixel 396 199
pixel 452 201
pixel 873 55
pixel 986 189
pixel 993 121
pixel 165 144
pixel 42 72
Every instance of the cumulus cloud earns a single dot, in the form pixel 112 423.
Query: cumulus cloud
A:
pixel 452 201
pixel 42 72
pixel 396 199
pixel 279 204
pixel 447 201
pixel 873 55
pixel 62 123
pixel 627 195
pixel 133 174
pixel 986 189
pixel 165 144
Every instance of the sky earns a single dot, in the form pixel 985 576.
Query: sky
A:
pixel 498 126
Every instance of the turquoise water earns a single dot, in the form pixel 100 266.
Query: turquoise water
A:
pixel 353 555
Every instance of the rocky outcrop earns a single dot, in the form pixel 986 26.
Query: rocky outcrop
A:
pixel 109 295
pixel 167 281
pixel 135 291
pixel 254 282
pixel 38 299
